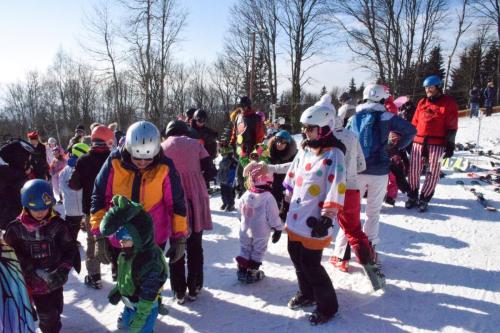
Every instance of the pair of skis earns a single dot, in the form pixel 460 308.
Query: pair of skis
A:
pixel 479 196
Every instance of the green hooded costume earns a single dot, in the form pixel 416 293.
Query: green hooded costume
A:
pixel 142 269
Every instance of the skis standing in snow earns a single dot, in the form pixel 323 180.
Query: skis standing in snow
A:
pixel 436 120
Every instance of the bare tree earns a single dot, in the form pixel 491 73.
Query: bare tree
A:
pixel 305 29
pixel 461 29
pixel 390 38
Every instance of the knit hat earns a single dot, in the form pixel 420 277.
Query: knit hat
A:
pixel 245 101
pixel 33 135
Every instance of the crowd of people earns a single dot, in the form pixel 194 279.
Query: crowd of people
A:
pixel 143 197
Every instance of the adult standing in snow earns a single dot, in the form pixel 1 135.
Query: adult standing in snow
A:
pixel 83 177
pixel 436 121
pixel 14 171
pixel 347 109
pixel 474 101
pixel 315 187
pixel 490 94
pixel 207 136
pixel 193 164
pixel 248 131
pixel 349 218
pixel 78 137
pixel 142 173
pixel 39 157
pixel 372 123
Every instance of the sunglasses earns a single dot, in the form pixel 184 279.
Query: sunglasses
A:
pixel 281 142
pixel 308 128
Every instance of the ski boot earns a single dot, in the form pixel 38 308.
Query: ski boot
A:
pixel 317 318
pixel 410 203
pixel 254 275
pixel 180 298
pixel 377 278
pixel 93 281
pixel 423 206
pixel 342 265
pixel 390 201
pixel 300 301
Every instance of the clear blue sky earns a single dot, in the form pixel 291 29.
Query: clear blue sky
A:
pixel 32 31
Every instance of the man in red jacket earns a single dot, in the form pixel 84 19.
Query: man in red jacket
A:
pixel 436 120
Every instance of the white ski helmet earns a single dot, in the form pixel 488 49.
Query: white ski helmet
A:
pixel 143 140
pixel 322 113
pixel 52 141
pixel 376 93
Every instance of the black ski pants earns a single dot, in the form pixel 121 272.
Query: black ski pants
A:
pixel 194 252
pixel 73 223
pixel 227 194
pixel 49 308
pixel 314 282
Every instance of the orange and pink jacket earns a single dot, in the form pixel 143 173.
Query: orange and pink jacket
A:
pixel 158 188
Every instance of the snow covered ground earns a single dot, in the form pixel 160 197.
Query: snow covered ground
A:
pixel 442 268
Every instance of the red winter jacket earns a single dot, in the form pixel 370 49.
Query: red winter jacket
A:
pixel 434 119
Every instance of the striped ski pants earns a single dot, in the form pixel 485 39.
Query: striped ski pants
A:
pixel 417 161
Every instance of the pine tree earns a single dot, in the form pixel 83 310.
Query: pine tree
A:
pixel 489 66
pixel 261 93
pixel 323 91
pixel 434 64
pixel 352 87
pixel 358 94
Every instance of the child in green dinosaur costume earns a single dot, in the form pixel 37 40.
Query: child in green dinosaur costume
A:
pixel 142 269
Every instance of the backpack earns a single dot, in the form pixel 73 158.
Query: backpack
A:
pixel 366 124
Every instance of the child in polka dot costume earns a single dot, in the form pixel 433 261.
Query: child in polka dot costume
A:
pixel 315 186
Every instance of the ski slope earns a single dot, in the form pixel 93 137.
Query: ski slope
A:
pixel 442 269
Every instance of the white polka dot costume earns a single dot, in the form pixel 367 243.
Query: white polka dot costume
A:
pixel 317 184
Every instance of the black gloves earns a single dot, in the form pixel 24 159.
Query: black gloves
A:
pixel 319 226
pixel 114 296
pixel 276 236
pixel 450 143
pixel 57 278
pixel 449 150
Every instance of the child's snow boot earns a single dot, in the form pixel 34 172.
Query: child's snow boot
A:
pixel 254 274
pixel 423 206
pixel 242 268
pixel 180 298
pixel 223 206
pixel 93 281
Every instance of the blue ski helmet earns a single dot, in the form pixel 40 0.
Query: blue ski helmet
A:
pixel 123 234
pixel 36 194
pixel 284 135
pixel 433 80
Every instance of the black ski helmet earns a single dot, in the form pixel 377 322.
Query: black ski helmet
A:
pixel 245 101
pixel 200 115
pixel 176 128
pixel 190 113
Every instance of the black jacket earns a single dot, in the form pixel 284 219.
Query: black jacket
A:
pixel 12 181
pixel 280 157
pixel 86 169
pixel 209 138
pixel 39 162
